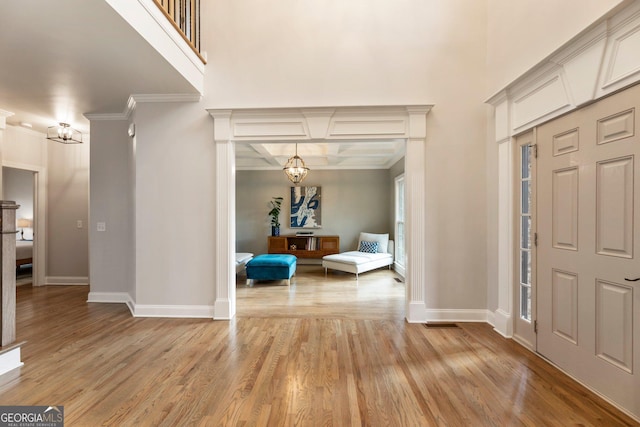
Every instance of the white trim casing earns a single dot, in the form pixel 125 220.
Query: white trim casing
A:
pixel 40 209
pixel 503 322
pixel 596 63
pixel 175 311
pixel 110 297
pixel 415 234
pixel 326 123
pixel 114 298
pixel 225 221
pixel 143 310
pixel 10 360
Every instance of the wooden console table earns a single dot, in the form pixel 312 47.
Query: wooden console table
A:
pixel 304 246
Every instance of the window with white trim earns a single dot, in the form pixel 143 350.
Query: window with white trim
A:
pixel 399 222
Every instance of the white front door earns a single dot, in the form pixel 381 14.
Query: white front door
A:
pixel 588 304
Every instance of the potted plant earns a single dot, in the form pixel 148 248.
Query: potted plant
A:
pixel 274 213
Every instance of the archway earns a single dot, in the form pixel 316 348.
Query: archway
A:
pixel 320 124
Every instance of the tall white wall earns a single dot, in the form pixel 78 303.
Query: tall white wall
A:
pixel 522 33
pixel 175 205
pixel 364 52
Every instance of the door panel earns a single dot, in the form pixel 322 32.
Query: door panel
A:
pixel 588 216
pixel 564 306
pixel 614 324
pixel 565 209
pixel 614 207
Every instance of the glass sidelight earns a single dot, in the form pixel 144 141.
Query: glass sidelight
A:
pixel 525 232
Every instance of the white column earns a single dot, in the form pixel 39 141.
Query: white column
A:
pixel 504 312
pixel 414 176
pixel 8 269
pixel 415 203
pixel 225 220
pixel 9 348
pixel 503 315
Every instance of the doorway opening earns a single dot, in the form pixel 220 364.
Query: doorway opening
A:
pixel 352 200
pixel 25 185
pixel 406 123
pixel 19 185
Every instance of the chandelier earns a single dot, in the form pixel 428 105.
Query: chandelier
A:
pixel 295 168
pixel 64 133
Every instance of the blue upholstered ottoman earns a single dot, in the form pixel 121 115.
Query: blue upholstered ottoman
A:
pixel 271 267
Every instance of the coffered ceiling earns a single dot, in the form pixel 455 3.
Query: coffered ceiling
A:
pixel 323 155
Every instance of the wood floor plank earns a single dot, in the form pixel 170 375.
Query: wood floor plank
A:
pixel 328 351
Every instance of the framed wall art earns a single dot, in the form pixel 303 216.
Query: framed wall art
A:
pixel 306 207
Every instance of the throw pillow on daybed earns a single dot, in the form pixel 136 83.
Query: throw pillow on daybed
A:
pixel 369 247
pixel 381 239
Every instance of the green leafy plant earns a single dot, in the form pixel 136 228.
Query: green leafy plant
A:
pixel 274 213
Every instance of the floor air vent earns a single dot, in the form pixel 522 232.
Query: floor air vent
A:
pixel 399 280
pixel 440 325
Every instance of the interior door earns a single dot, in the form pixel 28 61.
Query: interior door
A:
pixel 588 228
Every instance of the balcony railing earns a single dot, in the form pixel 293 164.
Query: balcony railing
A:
pixel 184 15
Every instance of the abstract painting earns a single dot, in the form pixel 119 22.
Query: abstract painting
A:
pixel 305 207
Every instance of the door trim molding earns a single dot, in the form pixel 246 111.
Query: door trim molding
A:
pixel 320 124
pixel 598 62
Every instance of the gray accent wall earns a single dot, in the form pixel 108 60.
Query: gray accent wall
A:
pixel 352 201
pixel 112 193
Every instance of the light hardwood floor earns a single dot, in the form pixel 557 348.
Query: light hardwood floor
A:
pixel 321 352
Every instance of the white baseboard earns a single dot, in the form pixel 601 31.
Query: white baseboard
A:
pixel 491 318
pixel 66 280
pixel 416 312
pixel 502 323
pixel 112 298
pixel 109 297
pixel 180 311
pixel 10 360
pixel 456 315
pixel 144 310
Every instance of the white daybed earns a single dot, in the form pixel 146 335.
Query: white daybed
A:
pixel 242 258
pixel 364 259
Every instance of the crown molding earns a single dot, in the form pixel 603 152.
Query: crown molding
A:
pixel 135 99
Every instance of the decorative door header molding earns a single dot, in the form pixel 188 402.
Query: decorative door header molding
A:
pixel 601 60
pixel 322 123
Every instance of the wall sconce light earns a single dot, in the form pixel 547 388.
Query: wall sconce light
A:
pixel 64 133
